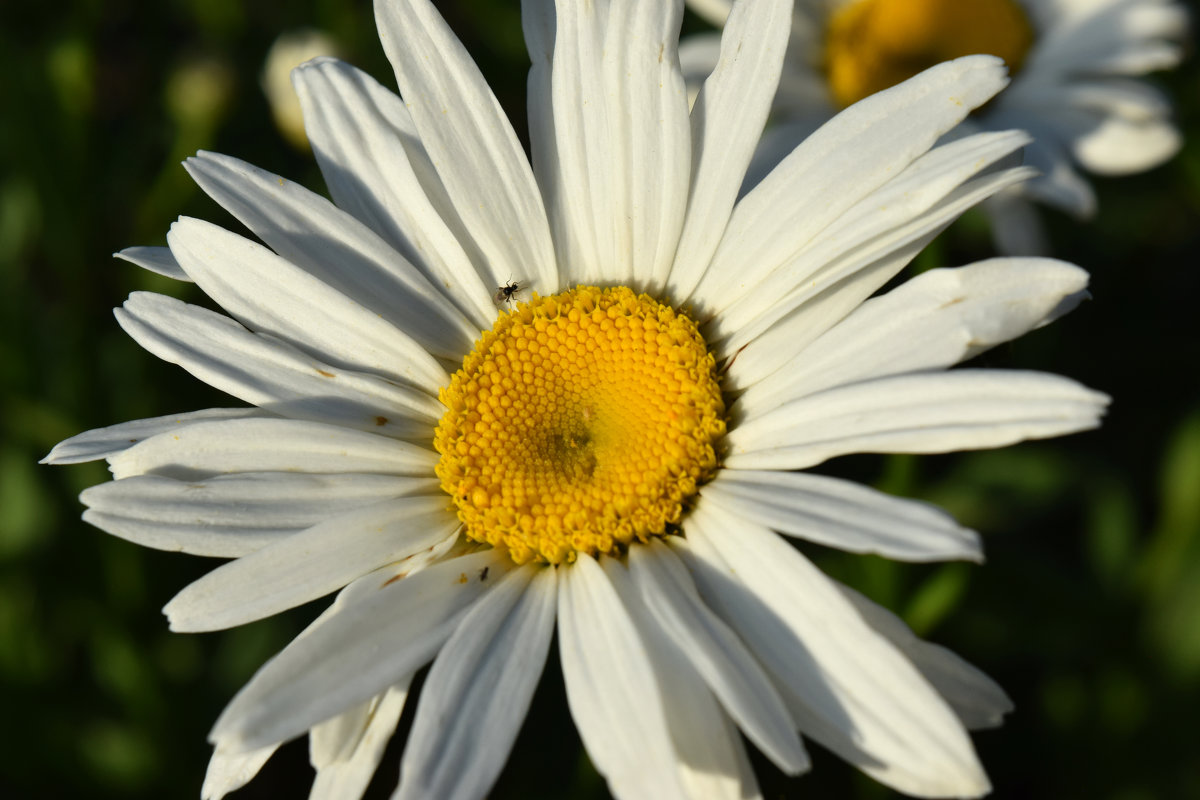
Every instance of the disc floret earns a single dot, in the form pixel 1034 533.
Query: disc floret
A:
pixel 580 423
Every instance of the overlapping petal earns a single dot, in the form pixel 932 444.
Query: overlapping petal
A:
pixel 377 169
pixel 846 687
pixel 337 663
pixel 977 699
pixel 105 442
pixel 718 655
pixel 491 666
pixel 271 374
pixel 918 413
pixel 933 321
pixel 619 713
pixel 270 295
pixel 155 259
pixel 467 136
pixel 213 447
pixel 841 514
pixel 312 563
pixel 727 121
pixel 233 515
pixel 346 774
pixel 787 324
pixel 229 771
pixel 711 760
pixel 849 157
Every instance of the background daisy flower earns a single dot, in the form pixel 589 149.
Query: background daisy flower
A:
pixel 1074 88
pixel 329 481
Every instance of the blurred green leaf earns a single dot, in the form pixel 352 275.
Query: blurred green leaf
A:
pixel 120 754
pixel 1113 530
pixel 936 597
pixel 26 512
pixel 72 69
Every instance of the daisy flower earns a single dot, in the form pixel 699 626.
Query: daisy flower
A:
pixel 1074 87
pixel 610 448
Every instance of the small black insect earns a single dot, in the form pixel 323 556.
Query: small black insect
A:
pixel 483 573
pixel 506 293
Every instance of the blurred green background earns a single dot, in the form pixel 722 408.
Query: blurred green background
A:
pixel 1088 610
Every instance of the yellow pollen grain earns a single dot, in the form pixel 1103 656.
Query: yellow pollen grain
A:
pixel 871 45
pixel 580 423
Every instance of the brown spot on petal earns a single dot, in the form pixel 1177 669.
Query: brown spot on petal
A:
pixel 326 374
pixel 381 420
pixel 393 579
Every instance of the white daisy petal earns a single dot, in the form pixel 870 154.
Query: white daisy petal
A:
pixel 1136 58
pixel 618 711
pixel 538 23
pixel 271 295
pixel 848 688
pixel 232 515
pixel 1117 146
pixel 1126 98
pixel 1058 184
pixel 155 259
pixel 978 701
pixel 311 564
pixel 842 514
pixel 621 147
pixel 934 321
pixel 727 121
pixel 272 374
pixel 203 449
pixel 587 190
pixel 711 759
pixel 916 193
pixel 787 325
pixel 849 157
pixel 730 671
pixel 853 276
pixel 336 738
pixel 479 690
pixel 325 250
pixel 1094 38
pixel 1111 126
pixel 377 169
pixel 106 442
pixel 920 413
pixel 229 771
pixel 337 663
pixel 347 778
pixel 653 135
pixel 467 136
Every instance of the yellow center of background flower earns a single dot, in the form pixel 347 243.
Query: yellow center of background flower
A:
pixel 874 44
pixel 579 423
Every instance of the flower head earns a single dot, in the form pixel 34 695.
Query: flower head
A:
pixel 613 451
pixel 1074 66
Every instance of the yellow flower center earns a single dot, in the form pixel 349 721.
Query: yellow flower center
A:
pixel 874 44
pixel 579 423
